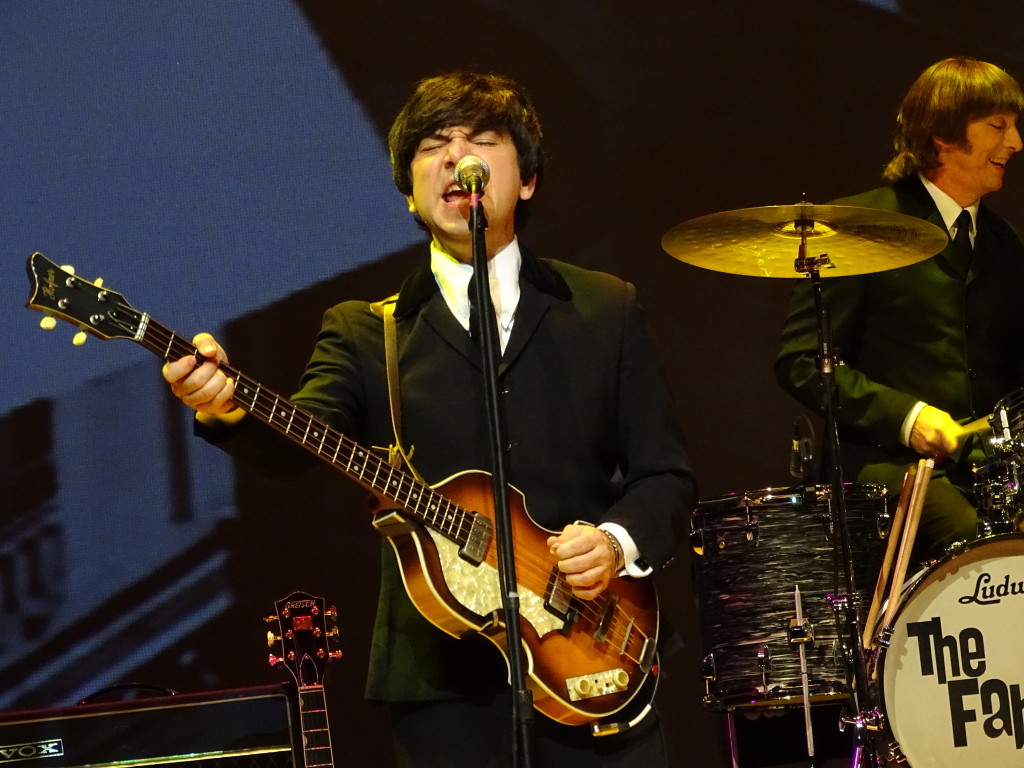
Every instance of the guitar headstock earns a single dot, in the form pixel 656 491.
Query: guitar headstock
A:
pixel 303 637
pixel 58 292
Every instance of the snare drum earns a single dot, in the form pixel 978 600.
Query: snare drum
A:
pixel 753 550
pixel 953 672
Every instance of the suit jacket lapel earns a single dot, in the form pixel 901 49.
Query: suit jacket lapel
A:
pixel 913 199
pixel 420 294
pixel 533 305
pixel 539 286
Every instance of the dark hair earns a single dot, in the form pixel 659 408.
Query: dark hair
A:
pixel 941 102
pixel 482 102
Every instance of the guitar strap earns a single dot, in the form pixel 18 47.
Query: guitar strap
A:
pixel 397 455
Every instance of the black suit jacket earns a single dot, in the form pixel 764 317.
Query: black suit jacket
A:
pixel 591 425
pixel 927 332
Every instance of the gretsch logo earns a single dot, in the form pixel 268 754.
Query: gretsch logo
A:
pixel 31 750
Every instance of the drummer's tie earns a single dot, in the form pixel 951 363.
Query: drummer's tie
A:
pixel 962 241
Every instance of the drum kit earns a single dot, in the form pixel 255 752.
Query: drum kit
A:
pixel 931 675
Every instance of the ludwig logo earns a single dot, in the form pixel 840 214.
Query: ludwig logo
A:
pixel 32 750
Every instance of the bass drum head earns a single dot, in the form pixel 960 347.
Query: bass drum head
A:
pixel 953 673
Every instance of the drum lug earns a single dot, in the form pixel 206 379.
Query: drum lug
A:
pixel 764 663
pixel 884 638
pixel 800 632
pixel 709 671
pixel 751 531
pixel 697 540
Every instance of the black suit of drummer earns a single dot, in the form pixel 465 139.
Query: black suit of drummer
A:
pixel 927 348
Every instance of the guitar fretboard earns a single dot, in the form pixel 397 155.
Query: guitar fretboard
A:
pixel 316 732
pixel 358 463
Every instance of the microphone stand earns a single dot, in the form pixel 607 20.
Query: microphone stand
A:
pixel 850 603
pixel 486 331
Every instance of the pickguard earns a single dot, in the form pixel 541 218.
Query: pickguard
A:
pixel 478 588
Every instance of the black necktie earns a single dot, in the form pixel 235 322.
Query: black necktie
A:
pixel 962 240
pixel 474 305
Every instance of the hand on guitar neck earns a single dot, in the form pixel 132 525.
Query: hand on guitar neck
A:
pixel 201 384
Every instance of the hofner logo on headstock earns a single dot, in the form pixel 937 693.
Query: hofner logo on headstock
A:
pixel 31 750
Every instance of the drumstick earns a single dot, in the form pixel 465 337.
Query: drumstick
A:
pixel 895 534
pixel 976 426
pixel 924 473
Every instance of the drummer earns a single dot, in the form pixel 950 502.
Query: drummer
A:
pixel 926 348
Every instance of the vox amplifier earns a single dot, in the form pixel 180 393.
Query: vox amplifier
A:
pixel 241 728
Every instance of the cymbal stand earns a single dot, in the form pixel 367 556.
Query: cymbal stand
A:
pixel 863 721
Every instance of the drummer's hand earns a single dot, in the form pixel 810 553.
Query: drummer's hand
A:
pixel 586 557
pixel 935 433
pixel 206 389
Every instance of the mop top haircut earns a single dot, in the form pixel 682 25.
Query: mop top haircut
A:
pixel 482 102
pixel 941 102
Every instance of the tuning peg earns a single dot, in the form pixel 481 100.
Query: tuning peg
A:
pixel 48 323
pixel 79 339
pixel 335 654
pixel 272 639
pixel 68 268
pixel 332 612
pixel 273 660
pixel 98 282
pixel 270 619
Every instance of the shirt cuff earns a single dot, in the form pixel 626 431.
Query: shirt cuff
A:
pixel 634 564
pixel 908 423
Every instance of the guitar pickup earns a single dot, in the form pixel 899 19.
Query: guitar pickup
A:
pixel 597 684
pixel 480 534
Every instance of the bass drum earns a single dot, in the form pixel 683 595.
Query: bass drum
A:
pixel 953 673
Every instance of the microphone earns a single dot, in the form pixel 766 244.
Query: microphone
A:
pixel 472 174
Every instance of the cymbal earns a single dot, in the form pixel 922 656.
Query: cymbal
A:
pixel 765 242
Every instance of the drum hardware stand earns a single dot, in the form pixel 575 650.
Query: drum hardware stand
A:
pixel 801 634
pixel 856 663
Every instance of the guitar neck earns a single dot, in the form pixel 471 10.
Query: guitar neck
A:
pixel 316 733
pixel 356 462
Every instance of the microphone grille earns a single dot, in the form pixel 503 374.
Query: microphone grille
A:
pixel 470 166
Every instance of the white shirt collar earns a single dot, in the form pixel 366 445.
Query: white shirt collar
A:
pixel 949 208
pixel 453 278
